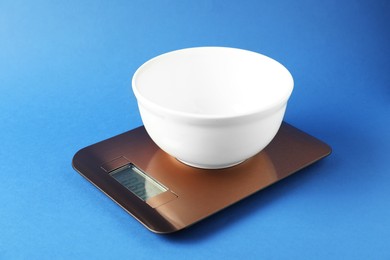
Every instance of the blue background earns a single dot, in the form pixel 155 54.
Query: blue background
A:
pixel 65 83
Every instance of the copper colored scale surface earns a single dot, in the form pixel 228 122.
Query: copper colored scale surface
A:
pixel 193 194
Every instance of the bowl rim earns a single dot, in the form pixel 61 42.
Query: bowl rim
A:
pixel 156 108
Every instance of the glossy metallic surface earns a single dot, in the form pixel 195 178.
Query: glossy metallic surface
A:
pixel 193 194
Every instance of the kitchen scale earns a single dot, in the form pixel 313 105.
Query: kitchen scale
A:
pixel 166 195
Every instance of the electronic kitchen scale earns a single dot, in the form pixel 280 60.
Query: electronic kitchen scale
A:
pixel 166 195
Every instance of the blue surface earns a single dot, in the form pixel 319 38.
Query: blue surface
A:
pixel 65 76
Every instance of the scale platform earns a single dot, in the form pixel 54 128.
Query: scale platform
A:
pixel 166 195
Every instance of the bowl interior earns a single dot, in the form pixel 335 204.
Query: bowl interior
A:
pixel 213 81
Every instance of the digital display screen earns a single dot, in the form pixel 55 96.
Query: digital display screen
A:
pixel 137 182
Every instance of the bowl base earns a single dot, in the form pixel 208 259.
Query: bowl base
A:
pixel 207 166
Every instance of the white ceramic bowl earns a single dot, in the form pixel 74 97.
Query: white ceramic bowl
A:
pixel 212 107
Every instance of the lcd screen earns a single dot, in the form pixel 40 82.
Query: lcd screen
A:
pixel 138 182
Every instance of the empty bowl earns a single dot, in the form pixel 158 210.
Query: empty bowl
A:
pixel 212 107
